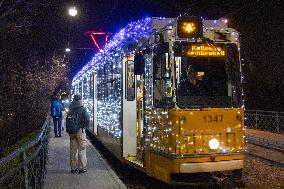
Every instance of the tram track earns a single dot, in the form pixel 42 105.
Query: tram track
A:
pixel 276 163
pixel 273 155
pixel 266 143
pixel 135 179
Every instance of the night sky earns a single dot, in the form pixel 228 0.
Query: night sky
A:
pixel 260 23
pixel 34 34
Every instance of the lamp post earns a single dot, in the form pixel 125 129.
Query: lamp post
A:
pixel 72 11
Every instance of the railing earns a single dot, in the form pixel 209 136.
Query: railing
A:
pixel 265 120
pixel 25 167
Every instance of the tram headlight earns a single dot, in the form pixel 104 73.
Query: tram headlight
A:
pixel 214 144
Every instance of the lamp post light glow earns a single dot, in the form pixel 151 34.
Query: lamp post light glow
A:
pixel 73 11
pixel 67 49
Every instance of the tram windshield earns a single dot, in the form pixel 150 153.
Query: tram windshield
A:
pixel 206 82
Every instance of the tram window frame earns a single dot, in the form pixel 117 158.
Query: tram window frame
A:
pixel 234 74
pixel 161 64
pixel 129 92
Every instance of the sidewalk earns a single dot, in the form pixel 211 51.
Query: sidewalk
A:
pixel 266 143
pixel 99 175
pixel 265 137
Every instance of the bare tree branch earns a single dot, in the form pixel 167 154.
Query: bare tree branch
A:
pixel 1 2
pixel 10 9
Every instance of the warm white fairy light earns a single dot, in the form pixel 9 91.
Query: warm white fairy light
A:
pixel 109 105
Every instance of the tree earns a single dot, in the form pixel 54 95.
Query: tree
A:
pixel 30 67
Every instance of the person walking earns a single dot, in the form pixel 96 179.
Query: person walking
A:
pixel 56 109
pixel 77 121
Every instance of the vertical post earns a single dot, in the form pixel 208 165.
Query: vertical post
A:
pixel 277 123
pixel 24 171
pixel 256 119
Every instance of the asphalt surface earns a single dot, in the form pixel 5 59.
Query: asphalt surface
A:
pixel 99 175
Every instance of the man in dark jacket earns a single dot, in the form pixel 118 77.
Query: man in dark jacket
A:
pixel 56 109
pixel 78 141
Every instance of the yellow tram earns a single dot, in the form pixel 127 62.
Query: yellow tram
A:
pixel 165 95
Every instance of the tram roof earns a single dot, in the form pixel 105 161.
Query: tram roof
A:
pixel 131 33
pixel 134 32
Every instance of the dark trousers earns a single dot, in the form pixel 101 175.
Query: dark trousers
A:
pixel 57 126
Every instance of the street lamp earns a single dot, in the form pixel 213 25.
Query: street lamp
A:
pixel 67 49
pixel 73 11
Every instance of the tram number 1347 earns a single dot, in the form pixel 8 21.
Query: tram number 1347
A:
pixel 213 118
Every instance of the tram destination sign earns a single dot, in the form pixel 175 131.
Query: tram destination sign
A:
pixel 199 49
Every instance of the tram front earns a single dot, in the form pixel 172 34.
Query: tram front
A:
pixel 196 124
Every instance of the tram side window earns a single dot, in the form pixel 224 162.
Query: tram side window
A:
pixel 105 85
pixel 130 81
pixel 100 85
pixel 235 75
pixel 162 81
pixel 80 88
pixel 85 88
pixel 91 84
pixel 116 79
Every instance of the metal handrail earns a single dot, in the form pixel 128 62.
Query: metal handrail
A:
pixel 265 120
pixel 29 172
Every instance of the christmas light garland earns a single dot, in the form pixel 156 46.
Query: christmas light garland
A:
pixel 109 107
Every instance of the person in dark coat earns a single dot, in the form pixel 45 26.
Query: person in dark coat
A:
pixel 189 83
pixel 56 109
pixel 78 142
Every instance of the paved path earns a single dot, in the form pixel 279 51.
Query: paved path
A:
pixel 266 134
pixel 267 138
pixel 58 176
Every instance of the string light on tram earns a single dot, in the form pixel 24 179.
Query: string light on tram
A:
pixel 132 32
pixel 106 114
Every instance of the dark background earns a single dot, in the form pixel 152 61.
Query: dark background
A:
pixel 34 34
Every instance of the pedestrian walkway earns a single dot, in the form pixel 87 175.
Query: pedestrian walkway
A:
pixel 265 137
pixel 58 175
pixel 266 143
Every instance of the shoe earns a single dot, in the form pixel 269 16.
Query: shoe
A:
pixel 84 170
pixel 74 171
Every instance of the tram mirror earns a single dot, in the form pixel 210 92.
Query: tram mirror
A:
pixel 162 48
pixel 139 62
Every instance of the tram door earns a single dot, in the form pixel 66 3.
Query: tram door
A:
pixel 95 104
pixel 139 105
pixel 129 109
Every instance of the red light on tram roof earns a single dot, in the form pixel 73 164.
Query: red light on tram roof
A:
pixel 93 36
pixel 98 33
